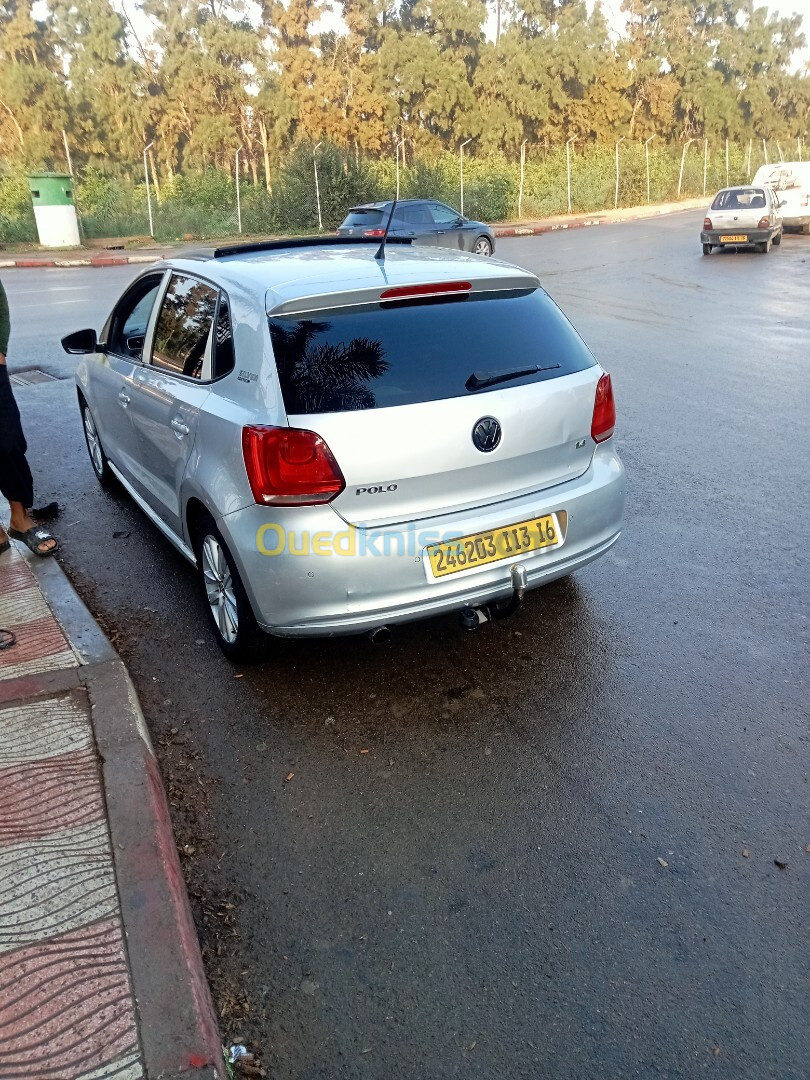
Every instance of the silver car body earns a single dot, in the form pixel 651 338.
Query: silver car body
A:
pixel 413 475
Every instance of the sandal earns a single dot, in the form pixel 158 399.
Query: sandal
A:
pixel 34 538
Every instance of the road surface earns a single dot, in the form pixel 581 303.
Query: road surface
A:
pixel 556 858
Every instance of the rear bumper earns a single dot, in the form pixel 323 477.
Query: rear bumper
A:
pixel 755 236
pixel 308 575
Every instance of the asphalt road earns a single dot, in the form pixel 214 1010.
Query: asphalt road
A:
pixel 482 893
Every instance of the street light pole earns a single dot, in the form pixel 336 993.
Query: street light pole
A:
pixel 317 187
pixel 461 171
pixel 647 160
pixel 148 192
pixel 396 147
pixel 616 199
pixel 238 199
pixel 568 167
pixel 705 163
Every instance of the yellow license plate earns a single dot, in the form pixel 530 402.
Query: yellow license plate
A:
pixel 480 549
pixel 733 239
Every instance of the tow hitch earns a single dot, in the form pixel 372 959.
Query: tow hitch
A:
pixel 470 618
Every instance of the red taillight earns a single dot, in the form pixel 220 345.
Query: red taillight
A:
pixel 374 232
pixel 290 466
pixel 439 288
pixel 764 222
pixel 603 423
pixel 707 223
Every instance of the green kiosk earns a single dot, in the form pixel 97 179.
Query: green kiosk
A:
pixel 54 209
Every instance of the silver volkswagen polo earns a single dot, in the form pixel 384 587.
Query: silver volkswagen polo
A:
pixel 342 437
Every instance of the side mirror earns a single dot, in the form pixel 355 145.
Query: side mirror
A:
pixel 80 342
pixel 782 203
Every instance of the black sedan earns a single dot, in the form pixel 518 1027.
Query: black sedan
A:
pixel 426 221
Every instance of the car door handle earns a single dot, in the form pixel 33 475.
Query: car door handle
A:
pixel 179 428
pixel 124 398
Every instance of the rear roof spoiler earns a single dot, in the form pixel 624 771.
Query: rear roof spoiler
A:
pixel 296 242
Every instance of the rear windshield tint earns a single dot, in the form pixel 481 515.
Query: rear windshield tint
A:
pixel 740 199
pixel 368 219
pixel 379 355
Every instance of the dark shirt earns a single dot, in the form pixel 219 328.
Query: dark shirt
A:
pixel 5 321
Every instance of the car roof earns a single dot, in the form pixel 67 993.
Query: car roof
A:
pixel 387 202
pixel 335 271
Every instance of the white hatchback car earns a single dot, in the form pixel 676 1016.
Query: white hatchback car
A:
pixel 342 437
pixel 791 181
pixel 743 217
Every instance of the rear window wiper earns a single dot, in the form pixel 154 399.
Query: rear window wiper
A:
pixel 479 379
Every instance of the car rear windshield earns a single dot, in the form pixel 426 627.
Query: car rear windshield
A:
pixel 368 219
pixel 740 199
pixel 379 355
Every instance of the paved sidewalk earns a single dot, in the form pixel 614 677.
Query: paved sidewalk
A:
pixel 100 969
pixel 37 259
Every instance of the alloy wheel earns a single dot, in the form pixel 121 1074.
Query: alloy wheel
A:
pixel 93 444
pixel 219 589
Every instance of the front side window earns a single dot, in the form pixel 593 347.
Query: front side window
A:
pixel 184 326
pixel 128 329
pixel 443 215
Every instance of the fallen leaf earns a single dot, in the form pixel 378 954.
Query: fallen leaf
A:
pixel 745 853
pixel 807 848
pixel 781 863
pixel 716 1051
pixel 364 751
pixel 239 676
pixel 662 862
pixel 289 776
pixel 366 1051
pixel 473 1044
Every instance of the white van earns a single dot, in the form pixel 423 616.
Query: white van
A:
pixel 792 180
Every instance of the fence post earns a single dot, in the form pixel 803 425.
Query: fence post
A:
pixel 683 159
pixel 396 151
pixel 765 151
pixel 148 192
pixel 748 167
pixel 799 147
pixel 461 171
pixel 568 168
pixel 616 198
pixel 779 148
pixel 705 163
pixel 317 187
pixel 647 162
pixel 238 199
pixel 522 171
pixel 726 162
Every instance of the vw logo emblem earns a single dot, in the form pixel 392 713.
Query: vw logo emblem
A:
pixel 486 434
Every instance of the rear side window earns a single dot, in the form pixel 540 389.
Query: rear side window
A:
pixel 367 219
pixel 184 326
pixel 380 355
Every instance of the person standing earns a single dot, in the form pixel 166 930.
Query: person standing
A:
pixel 16 482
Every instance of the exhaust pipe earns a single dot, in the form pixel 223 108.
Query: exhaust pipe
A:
pixel 470 618
pixel 380 635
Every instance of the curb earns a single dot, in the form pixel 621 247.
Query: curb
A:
pixel 92 260
pixel 176 1019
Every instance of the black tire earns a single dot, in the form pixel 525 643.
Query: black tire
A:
pixel 707 249
pixel 230 615
pixel 777 240
pixel 98 459
pixel 482 245
pixel 805 230
pixel 764 247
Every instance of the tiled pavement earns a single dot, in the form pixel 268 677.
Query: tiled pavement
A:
pixel 100 970
pixel 66 1002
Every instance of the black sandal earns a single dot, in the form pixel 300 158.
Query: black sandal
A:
pixel 34 538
